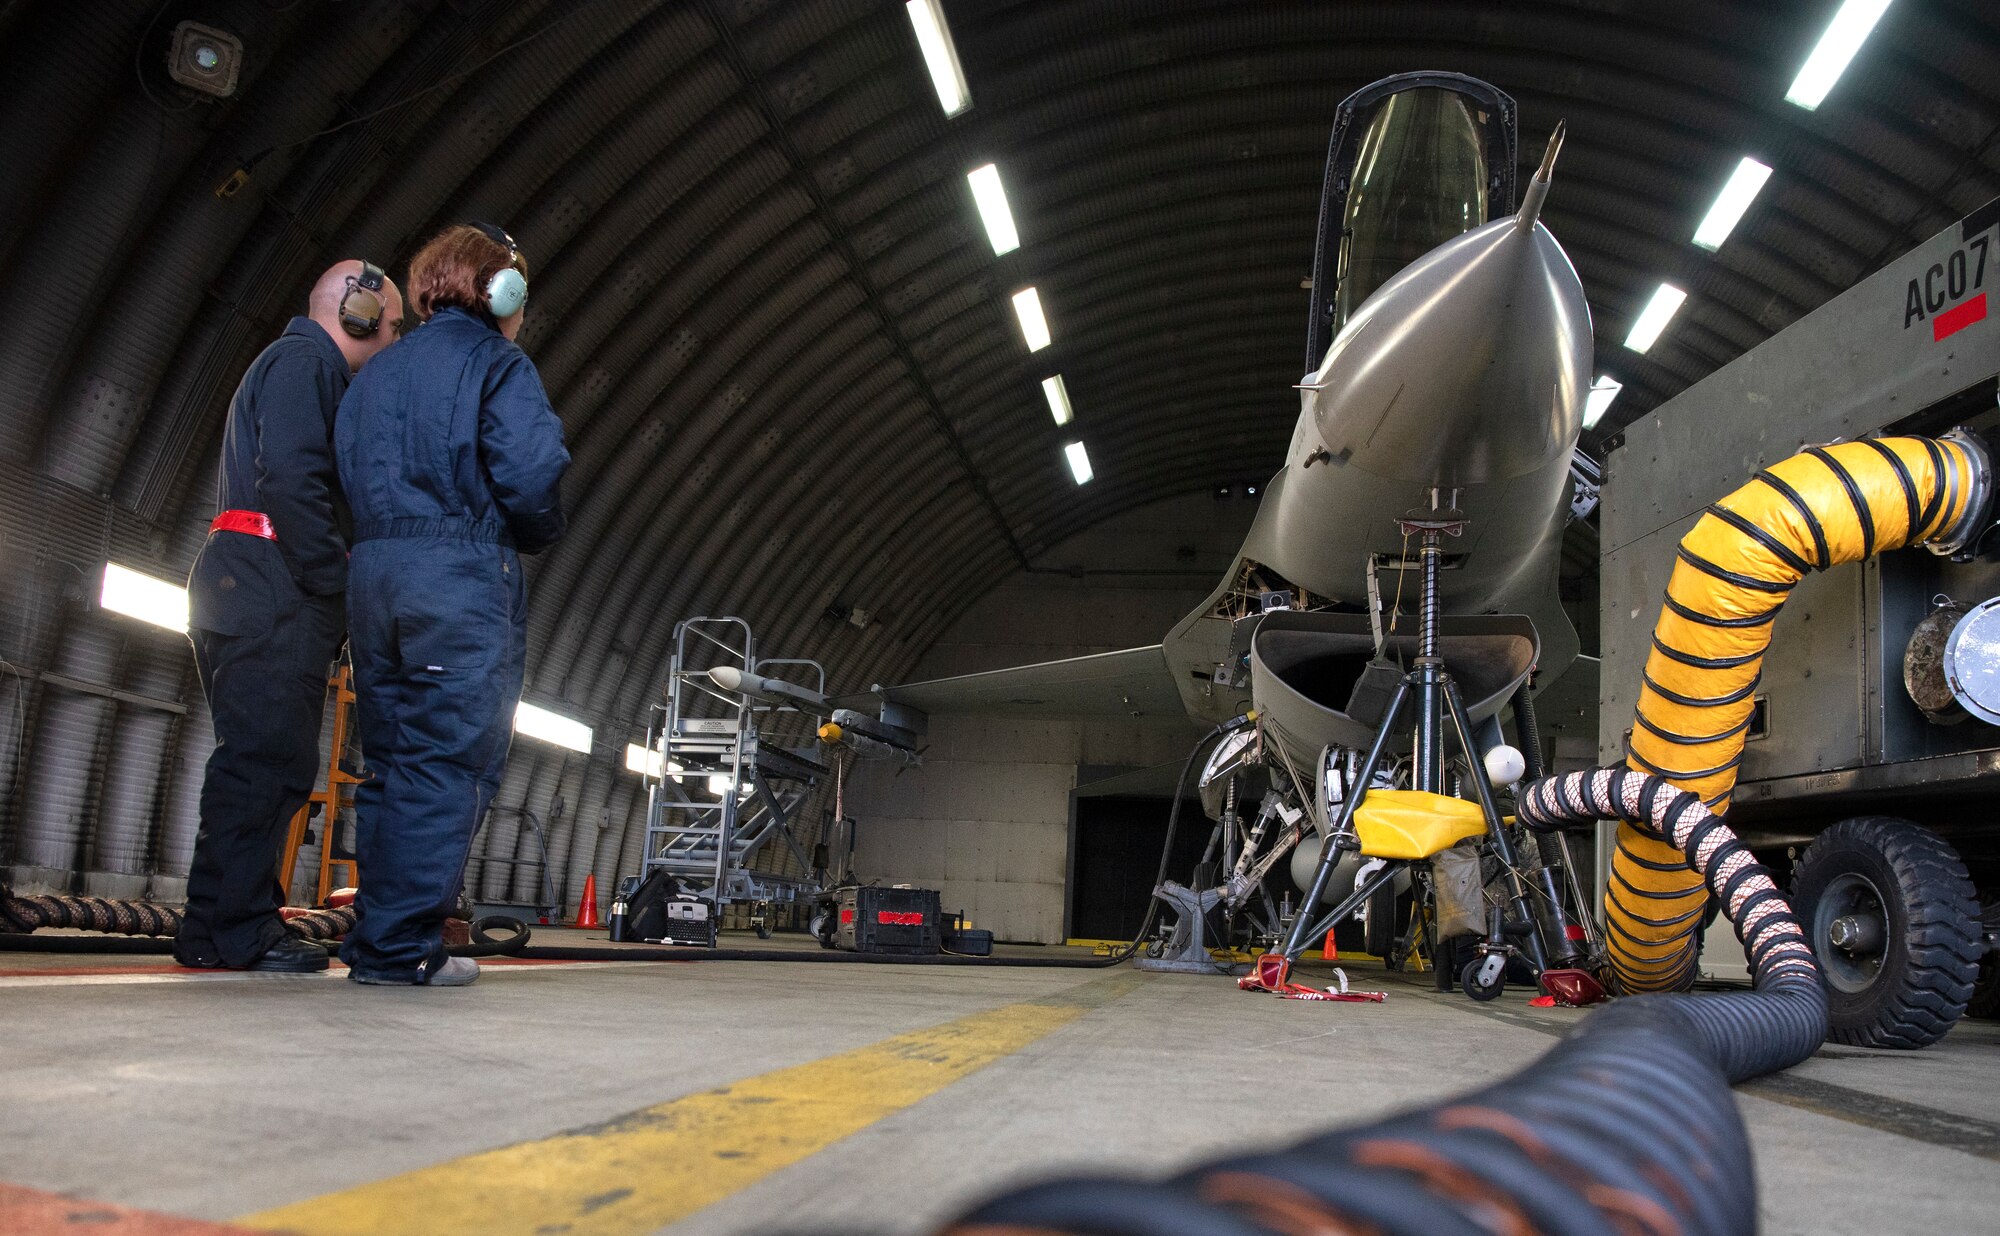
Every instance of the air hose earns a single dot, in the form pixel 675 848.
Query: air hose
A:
pixel 1820 508
pixel 1625 1126
pixel 141 918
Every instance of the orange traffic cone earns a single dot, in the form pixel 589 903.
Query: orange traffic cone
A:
pixel 586 910
pixel 1327 952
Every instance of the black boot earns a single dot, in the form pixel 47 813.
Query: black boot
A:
pixel 291 955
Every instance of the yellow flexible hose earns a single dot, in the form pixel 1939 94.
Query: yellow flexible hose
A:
pixel 1735 567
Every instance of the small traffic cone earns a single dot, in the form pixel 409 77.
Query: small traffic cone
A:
pixel 1327 952
pixel 586 909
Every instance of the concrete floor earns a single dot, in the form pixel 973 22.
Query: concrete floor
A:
pixel 218 1097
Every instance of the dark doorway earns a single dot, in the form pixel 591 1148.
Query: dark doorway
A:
pixel 1117 854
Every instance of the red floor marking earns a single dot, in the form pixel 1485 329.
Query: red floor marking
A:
pixel 33 1211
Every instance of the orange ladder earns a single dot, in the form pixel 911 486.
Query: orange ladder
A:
pixel 337 794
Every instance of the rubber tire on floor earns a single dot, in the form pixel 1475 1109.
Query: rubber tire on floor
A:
pixel 1378 927
pixel 1922 987
pixel 1468 981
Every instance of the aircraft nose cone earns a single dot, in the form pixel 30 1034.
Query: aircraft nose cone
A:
pixel 1469 366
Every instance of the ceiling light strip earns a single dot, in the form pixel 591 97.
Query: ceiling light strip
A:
pixel 940 56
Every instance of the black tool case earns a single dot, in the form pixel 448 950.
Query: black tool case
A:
pixel 903 921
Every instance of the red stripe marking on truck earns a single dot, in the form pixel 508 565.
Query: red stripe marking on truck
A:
pixel 1956 319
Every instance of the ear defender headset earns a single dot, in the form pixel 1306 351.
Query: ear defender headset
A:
pixel 362 305
pixel 507 290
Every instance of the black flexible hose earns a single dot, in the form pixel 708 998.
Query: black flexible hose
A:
pixel 1627 1125
pixel 1528 732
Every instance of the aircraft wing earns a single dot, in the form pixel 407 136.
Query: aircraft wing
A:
pixel 1134 682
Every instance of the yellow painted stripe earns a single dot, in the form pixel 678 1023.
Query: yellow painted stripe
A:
pixel 648 1168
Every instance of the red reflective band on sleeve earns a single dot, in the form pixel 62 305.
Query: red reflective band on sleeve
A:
pixel 894 918
pixel 1952 321
pixel 252 523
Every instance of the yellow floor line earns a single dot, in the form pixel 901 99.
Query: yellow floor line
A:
pixel 640 1171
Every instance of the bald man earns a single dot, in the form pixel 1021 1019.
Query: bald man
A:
pixel 266 611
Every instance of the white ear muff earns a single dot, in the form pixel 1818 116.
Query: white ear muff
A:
pixel 506 292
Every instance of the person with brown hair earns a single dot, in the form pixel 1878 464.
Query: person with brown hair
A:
pixel 452 459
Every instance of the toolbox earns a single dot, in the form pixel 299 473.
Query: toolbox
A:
pixel 888 920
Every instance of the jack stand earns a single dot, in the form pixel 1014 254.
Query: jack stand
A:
pixel 1187 946
pixel 1434 697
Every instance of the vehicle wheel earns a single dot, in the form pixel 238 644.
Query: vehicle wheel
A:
pixel 1985 1002
pixel 1892 916
pixel 1468 981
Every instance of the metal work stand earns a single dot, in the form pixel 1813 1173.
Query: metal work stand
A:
pixel 1430 685
pixel 710 846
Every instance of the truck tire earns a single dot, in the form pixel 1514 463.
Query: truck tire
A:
pixel 1892 915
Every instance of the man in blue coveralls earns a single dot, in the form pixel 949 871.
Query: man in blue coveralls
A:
pixel 265 614
pixel 451 457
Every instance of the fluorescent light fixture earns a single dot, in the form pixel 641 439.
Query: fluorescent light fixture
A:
pixel 991 198
pixel 642 760
pixel 1058 396
pixel 1844 36
pixel 1079 462
pixel 128 592
pixel 1598 402
pixel 1654 317
pixel 934 40
pixel 1034 327
pixel 552 727
pixel 1744 185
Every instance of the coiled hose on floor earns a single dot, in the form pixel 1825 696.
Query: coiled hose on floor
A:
pixel 1627 1126
pixel 141 918
pixel 1820 508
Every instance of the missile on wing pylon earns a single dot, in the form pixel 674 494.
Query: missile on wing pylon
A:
pixel 769 690
pixel 866 747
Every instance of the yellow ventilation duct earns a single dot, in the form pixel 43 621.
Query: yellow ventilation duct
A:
pixel 1817 509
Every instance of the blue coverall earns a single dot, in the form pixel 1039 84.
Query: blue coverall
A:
pixel 265 617
pixel 451 458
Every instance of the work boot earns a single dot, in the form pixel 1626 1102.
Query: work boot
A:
pixel 290 955
pixel 455 972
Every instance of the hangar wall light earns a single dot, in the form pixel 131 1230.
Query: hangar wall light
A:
pixel 1058 396
pixel 1079 462
pixel 1598 402
pixel 1844 36
pixel 205 59
pixel 552 727
pixel 1741 190
pixel 1034 327
pixel 126 591
pixel 646 762
pixel 1654 317
pixel 991 199
pixel 934 40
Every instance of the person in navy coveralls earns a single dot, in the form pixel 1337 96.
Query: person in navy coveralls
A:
pixel 452 460
pixel 265 612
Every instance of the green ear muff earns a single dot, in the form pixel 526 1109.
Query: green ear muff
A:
pixel 506 292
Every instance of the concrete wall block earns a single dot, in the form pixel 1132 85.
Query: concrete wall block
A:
pixel 971 850
pixel 898 851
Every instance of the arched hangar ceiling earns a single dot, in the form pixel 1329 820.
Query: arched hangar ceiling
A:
pixel 765 307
